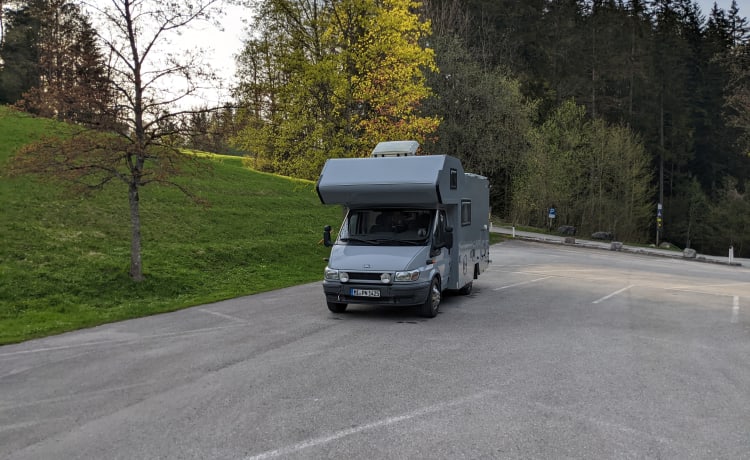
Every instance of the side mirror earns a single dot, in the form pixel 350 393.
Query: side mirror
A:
pixel 448 238
pixel 327 236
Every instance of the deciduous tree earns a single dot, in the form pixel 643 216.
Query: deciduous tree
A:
pixel 329 79
pixel 149 78
pixel 596 175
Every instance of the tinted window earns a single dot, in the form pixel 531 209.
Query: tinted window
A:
pixel 466 212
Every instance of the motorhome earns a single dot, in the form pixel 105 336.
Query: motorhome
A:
pixel 415 226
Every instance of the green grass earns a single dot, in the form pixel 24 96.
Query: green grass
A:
pixel 64 259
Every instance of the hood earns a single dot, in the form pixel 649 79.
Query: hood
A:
pixel 376 258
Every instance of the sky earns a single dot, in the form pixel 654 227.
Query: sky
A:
pixel 222 46
pixel 707 5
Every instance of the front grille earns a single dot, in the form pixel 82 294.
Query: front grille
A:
pixel 364 276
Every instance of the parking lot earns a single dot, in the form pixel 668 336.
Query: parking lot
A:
pixel 558 352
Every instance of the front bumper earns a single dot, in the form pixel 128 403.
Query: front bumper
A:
pixel 391 294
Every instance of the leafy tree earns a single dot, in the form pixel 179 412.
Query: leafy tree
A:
pixel 689 201
pixel 209 130
pixel 146 89
pixel 328 79
pixel 485 118
pixel 391 62
pixel 597 176
pixel 730 218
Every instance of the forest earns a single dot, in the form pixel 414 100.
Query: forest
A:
pixel 626 116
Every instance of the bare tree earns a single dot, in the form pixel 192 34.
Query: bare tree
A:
pixel 150 79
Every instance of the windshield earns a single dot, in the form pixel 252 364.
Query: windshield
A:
pixel 387 226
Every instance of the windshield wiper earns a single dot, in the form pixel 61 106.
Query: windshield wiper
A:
pixel 358 240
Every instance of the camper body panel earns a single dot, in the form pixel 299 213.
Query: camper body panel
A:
pixel 471 227
pixel 389 181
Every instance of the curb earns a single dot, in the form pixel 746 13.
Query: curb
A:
pixel 623 248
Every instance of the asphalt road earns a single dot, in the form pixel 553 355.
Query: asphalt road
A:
pixel 560 352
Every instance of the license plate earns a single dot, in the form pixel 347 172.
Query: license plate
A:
pixel 365 292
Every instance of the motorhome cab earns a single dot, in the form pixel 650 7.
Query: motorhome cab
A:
pixel 415 226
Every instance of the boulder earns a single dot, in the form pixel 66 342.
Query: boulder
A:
pixel 569 240
pixel 689 253
pixel 615 246
pixel 605 236
pixel 566 230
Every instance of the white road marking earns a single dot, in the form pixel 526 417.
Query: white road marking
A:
pixel 623 428
pixel 695 291
pixel 95 343
pixel 288 450
pixel 679 343
pixel 693 286
pixel 7 405
pixel 735 310
pixel 222 315
pixel 613 294
pixel 521 284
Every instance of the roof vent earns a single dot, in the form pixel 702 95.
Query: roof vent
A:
pixel 395 149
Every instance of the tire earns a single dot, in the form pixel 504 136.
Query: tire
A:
pixel 466 290
pixel 336 307
pixel 431 305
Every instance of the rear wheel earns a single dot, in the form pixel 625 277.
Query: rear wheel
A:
pixel 429 308
pixel 337 307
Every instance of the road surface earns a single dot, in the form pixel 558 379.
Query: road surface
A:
pixel 558 352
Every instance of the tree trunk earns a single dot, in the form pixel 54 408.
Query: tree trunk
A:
pixel 593 72
pixel 136 269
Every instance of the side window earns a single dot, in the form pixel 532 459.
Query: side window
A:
pixel 465 212
pixel 354 223
pixel 440 226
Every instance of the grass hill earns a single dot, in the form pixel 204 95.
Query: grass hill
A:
pixel 64 259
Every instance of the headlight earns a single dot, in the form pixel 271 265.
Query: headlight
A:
pixel 407 276
pixel 331 274
pixel 385 278
pixel 343 277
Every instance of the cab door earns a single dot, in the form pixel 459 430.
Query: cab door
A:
pixel 441 244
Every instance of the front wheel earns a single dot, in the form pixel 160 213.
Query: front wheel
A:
pixel 429 308
pixel 337 307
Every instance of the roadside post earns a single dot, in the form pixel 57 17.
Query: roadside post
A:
pixel 551 214
pixel 659 223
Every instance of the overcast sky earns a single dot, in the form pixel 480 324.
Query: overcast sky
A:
pixel 707 5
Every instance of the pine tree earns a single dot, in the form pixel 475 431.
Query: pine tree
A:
pixel 73 84
pixel 19 51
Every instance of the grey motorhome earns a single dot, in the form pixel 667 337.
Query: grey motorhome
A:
pixel 415 226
